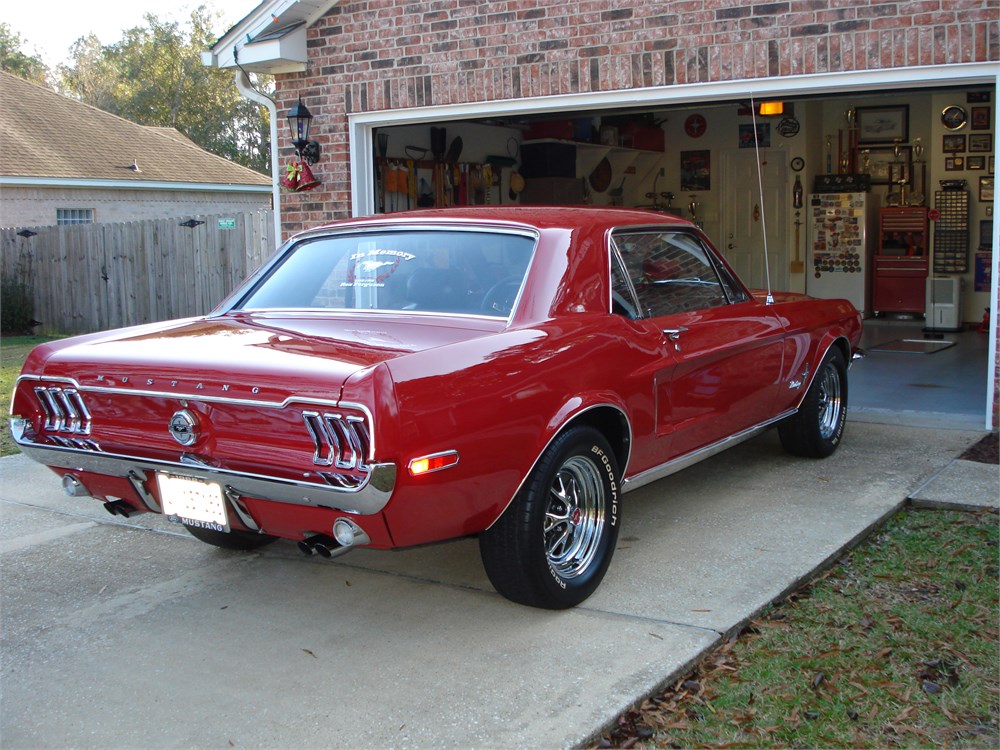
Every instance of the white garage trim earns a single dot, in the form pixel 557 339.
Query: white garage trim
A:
pixel 362 125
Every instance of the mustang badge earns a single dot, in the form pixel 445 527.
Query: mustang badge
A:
pixel 184 427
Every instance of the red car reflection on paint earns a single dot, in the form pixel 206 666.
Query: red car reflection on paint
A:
pixel 391 381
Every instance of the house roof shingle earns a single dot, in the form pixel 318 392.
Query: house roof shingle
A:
pixel 44 134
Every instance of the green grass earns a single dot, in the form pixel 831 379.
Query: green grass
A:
pixel 13 351
pixel 897 646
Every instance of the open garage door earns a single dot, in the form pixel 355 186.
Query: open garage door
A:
pixel 686 150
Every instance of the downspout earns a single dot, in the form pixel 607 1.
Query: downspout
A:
pixel 244 86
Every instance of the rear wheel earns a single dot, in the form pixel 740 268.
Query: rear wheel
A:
pixel 552 546
pixel 815 431
pixel 240 540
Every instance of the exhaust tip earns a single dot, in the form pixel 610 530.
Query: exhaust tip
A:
pixel 305 548
pixel 321 544
pixel 120 508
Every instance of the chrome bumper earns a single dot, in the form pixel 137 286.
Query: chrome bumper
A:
pixel 368 498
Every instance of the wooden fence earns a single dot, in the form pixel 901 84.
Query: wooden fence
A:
pixel 92 277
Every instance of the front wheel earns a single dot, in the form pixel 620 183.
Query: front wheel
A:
pixel 815 431
pixel 553 544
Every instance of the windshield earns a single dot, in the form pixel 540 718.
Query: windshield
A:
pixel 441 270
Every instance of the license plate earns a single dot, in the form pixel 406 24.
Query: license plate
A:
pixel 193 502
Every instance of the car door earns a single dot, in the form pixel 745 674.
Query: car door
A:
pixel 722 348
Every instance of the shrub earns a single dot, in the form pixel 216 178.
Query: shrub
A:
pixel 17 308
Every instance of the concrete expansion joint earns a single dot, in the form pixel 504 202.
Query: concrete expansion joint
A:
pixel 109 521
pixel 650 620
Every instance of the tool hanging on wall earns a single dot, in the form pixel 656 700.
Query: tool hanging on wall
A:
pixel 797 266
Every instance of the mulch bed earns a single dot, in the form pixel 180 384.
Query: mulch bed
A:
pixel 984 452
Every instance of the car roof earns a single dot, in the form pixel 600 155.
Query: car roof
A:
pixel 539 217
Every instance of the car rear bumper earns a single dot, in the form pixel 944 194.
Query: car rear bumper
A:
pixel 368 497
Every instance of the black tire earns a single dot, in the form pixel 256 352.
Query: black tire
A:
pixel 239 540
pixel 553 544
pixel 815 431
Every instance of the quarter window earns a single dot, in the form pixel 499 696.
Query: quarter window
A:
pixel 671 272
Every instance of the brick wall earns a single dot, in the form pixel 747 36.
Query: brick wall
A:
pixel 387 54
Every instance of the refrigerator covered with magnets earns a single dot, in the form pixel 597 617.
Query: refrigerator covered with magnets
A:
pixel 842 230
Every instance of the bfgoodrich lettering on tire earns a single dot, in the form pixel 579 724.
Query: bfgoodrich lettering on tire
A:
pixel 553 544
pixel 815 431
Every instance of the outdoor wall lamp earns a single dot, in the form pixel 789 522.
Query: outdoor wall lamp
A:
pixel 299 120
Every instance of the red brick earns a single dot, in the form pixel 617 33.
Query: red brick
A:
pixel 370 55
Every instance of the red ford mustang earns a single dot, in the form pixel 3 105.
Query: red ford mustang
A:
pixel 393 381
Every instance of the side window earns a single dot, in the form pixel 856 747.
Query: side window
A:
pixel 671 272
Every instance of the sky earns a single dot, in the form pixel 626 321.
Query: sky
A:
pixel 50 29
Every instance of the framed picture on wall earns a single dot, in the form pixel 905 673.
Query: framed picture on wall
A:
pixel 980 118
pixel 763 135
pixel 954 164
pixel 883 124
pixel 981 142
pixel 953 144
pixel 883 165
pixel 975 162
pixel 985 189
pixel 696 170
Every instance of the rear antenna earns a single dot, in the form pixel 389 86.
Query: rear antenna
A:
pixel 760 192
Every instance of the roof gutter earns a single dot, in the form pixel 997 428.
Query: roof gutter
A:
pixel 244 86
pixel 63 182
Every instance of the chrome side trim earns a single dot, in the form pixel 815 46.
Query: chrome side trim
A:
pixel 369 496
pixel 690 459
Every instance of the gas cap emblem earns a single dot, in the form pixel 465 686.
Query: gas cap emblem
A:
pixel 183 427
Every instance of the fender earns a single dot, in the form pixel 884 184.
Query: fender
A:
pixel 572 411
pixel 826 343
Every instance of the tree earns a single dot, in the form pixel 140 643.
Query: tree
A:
pixel 154 76
pixel 14 60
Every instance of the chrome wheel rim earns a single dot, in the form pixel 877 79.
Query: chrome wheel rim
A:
pixel 830 402
pixel 574 518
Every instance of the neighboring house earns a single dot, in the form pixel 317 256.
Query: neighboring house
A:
pixel 898 90
pixel 65 162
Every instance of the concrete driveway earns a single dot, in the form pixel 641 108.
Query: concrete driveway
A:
pixel 133 634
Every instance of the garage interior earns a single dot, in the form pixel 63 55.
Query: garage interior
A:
pixel 885 198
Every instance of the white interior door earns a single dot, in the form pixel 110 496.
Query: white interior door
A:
pixel 744 218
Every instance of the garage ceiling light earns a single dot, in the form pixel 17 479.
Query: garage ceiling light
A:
pixel 772 108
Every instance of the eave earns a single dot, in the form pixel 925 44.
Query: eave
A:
pixel 271 39
pixel 65 182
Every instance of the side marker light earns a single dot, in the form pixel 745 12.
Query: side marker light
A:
pixel 432 463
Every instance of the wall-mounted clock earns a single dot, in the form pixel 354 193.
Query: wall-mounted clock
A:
pixel 797 164
pixel 953 117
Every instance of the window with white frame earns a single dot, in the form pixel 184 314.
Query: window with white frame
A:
pixel 74 216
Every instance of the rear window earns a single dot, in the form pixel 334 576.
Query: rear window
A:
pixel 438 271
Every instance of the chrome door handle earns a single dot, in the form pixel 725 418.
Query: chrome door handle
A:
pixel 674 333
